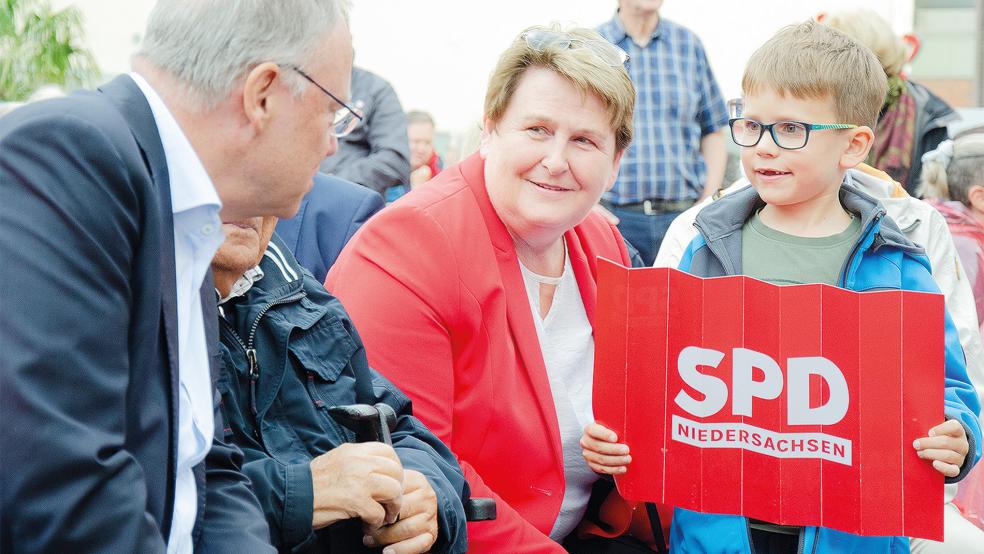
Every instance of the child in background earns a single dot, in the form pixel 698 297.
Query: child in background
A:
pixel 811 97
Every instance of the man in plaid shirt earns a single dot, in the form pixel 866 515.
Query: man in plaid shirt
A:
pixel 678 153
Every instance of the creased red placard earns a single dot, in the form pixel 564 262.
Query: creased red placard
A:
pixel 796 405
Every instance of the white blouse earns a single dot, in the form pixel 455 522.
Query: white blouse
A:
pixel 567 344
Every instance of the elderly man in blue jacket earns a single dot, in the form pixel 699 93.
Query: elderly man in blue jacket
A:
pixel 289 353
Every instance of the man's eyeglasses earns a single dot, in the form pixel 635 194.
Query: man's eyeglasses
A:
pixel 541 39
pixel 346 119
pixel 788 135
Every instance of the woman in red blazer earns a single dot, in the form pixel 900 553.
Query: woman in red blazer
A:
pixel 460 290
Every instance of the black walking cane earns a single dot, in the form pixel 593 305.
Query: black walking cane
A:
pixel 375 423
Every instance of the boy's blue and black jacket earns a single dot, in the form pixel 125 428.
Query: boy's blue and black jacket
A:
pixel 309 358
pixel 882 259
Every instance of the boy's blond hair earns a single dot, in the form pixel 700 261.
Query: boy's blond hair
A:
pixel 814 61
pixel 578 65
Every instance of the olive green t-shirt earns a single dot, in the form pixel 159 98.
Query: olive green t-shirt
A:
pixel 783 259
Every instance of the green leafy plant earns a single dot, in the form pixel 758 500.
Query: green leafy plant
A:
pixel 41 46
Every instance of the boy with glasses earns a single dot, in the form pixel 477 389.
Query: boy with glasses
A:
pixel 811 97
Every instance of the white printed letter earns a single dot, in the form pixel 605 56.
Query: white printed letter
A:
pixel 743 361
pixel 799 411
pixel 715 390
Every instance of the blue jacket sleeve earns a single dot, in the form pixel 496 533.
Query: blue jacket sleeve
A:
pixel 420 450
pixel 961 401
pixel 232 522
pixel 284 490
pixel 69 207
pixel 286 494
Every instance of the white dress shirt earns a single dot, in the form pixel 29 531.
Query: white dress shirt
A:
pixel 567 344
pixel 197 235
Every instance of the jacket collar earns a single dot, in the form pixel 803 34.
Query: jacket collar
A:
pixel 729 214
pixel 282 276
pixel 720 225
pixel 282 283
pixel 130 101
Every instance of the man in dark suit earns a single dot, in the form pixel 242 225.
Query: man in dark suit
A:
pixel 328 217
pixel 110 204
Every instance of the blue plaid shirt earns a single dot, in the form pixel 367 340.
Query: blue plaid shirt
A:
pixel 677 103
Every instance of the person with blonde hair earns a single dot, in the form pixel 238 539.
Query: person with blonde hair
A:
pixel 913 120
pixel 476 293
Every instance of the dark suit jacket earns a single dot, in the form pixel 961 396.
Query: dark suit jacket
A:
pixel 328 217
pixel 88 335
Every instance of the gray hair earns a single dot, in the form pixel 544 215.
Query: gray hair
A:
pixel 953 168
pixel 209 45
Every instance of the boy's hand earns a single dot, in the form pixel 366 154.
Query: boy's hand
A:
pixel 602 453
pixel 946 445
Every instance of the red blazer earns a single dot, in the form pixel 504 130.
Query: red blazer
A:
pixel 434 287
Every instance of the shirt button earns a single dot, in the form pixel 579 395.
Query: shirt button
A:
pixel 208 229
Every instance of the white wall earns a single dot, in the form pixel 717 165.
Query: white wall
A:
pixel 113 28
pixel 438 53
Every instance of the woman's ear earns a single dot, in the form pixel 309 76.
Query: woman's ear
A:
pixel 860 142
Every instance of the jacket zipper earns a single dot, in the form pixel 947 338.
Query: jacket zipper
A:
pixel 249 345
pixel 854 251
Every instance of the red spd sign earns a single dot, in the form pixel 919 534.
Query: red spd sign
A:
pixel 796 405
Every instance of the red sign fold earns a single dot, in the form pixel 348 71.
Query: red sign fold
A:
pixel 796 405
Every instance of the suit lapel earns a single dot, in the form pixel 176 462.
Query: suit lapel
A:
pixel 210 313
pixel 131 103
pixel 210 316
pixel 518 312
pixel 584 271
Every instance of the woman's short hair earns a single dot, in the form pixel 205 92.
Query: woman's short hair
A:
pixel 953 168
pixel 871 30
pixel 581 66
pixel 814 61
pixel 208 45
